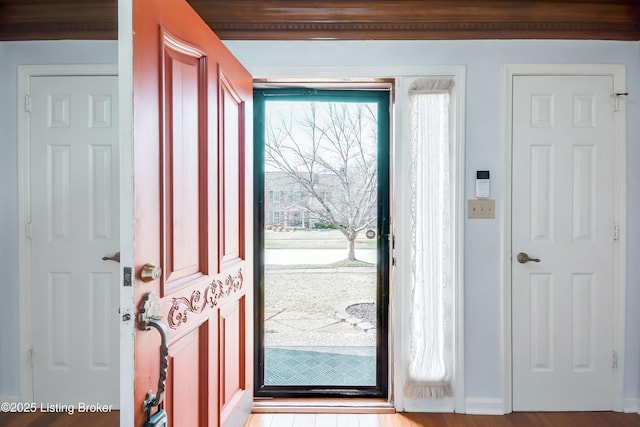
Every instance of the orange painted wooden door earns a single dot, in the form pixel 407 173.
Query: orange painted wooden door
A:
pixel 192 157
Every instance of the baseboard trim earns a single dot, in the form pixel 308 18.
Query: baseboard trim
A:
pixel 631 405
pixel 446 404
pixel 484 406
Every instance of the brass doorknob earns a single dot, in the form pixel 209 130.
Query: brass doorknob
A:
pixel 150 273
pixel 523 258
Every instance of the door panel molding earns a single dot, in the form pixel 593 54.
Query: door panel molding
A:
pixel 618 74
pixel 233 351
pixel 183 73
pixel 231 180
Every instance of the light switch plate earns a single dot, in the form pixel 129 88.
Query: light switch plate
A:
pixel 483 208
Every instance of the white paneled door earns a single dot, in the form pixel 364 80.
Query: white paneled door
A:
pixel 73 136
pixel 562 219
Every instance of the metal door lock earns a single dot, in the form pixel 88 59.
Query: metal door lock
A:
pixel 150 273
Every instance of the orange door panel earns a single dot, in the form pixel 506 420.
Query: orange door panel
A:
pixel 192 107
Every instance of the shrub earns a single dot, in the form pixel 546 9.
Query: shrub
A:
pixel 323 225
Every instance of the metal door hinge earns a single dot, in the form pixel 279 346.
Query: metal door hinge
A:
pixel 614 363
pixel 616 232
pixel 616 100
pixel 27 103
pixel 30 357
pixel 29 231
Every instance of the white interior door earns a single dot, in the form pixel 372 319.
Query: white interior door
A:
pixel 562 214
pixel 74 223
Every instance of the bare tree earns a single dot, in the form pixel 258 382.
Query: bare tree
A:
pixel 330 150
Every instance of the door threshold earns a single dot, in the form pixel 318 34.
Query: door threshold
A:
pixel 320 406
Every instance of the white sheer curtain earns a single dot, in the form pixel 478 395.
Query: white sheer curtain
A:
pixel 431 322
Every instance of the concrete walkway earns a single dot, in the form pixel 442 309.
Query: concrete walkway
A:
pixel 314 256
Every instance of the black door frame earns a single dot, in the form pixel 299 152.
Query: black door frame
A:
pixel 383 100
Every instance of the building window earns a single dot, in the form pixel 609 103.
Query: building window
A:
pixel 275 196
pixel 276 217
pixel 295 219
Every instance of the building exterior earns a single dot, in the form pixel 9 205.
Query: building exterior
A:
pixel 287 205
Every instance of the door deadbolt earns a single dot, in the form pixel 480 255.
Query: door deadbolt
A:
pixel 150 273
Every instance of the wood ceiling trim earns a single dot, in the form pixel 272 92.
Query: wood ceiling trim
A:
pixel 58 19
pixel 423 31
pixel 59 31
pixel 422 19
pixel 342 20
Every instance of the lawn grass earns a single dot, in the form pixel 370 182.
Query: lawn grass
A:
pixel 317 293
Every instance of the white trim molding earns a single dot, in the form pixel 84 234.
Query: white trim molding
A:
pixel 25 73
pixel 484 406
pixel 618 73
pixel 127 211
pixel 631 405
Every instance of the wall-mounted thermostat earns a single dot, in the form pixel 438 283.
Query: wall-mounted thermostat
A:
pixel 483 185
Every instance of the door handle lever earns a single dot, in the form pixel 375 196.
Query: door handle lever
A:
pixel 523 258
pixel 115 257
pixel 149 317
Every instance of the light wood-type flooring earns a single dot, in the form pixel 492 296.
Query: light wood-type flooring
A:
pixel 519 419
pixel 59 419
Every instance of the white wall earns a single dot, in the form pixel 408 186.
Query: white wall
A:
pixel 483 59
pixel 484 127
pixel 13 54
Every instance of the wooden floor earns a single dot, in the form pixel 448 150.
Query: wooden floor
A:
pixel 520 419
pixel 60 419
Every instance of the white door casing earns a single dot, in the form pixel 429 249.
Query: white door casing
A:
pixel 72 222
pixel 399 297
pixel 563 152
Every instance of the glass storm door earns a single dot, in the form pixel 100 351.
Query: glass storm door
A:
pixel 322 242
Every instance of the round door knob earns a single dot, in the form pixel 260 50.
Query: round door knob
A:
pixel 150 273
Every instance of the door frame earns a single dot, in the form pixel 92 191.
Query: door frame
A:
pixel 618 73
pixel 380 93
pixel 25 73
pixel 127 210
pixel 402 76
